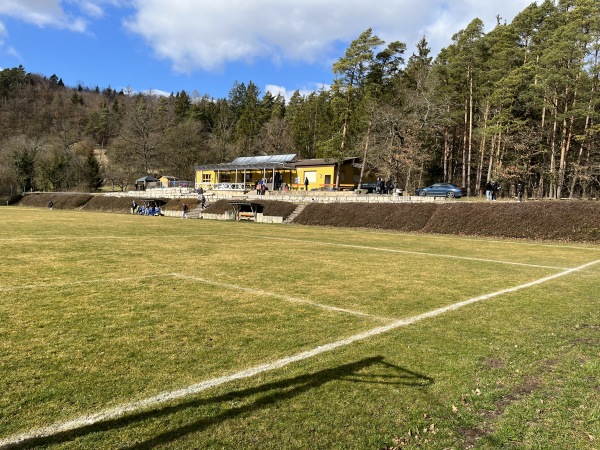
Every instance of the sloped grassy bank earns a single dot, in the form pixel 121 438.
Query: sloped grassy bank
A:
pixel 100 203
pixel 103 203
pixel 575 221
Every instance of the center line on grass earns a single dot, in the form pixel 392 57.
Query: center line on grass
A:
pixel 120 411
pixel 412 252
pixel 287 298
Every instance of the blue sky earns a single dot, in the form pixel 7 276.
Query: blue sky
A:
pixel 205 46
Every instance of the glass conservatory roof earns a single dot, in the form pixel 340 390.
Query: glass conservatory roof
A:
pixel 266 159
pixel 254 162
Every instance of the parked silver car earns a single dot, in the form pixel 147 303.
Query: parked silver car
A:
pixel 441 190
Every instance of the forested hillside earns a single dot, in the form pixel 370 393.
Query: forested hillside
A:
pixel 518 103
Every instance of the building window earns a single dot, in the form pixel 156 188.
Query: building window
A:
pixel 206 177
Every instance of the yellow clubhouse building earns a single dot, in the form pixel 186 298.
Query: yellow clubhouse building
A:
pixel 280 172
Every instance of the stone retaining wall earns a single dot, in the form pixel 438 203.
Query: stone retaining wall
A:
pixel 260 217
pixel 289 196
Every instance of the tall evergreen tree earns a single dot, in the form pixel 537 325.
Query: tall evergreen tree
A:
pixel 352 72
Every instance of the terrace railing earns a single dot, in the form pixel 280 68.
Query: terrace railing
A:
pixel 224 186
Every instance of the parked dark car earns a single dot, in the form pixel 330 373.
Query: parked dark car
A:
pixel 370 187
pixel 441 190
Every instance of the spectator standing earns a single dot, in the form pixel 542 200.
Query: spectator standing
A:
pixel 184 210
pixel 133 207
pixel 306 184
pixel 520 192
pixel 389 187
pixel 202 201
pixel 488 190
pixel 495 189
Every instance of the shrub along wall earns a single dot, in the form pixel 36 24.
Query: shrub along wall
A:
pixel 59 201
pixel 547 220
pixel 576 221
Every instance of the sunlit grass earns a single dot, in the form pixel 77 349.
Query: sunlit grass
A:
pixel 98 310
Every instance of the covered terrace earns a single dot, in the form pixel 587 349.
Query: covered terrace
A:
pixel 243 173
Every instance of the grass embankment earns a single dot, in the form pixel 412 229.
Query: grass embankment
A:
pixel 575 221
pixel 100 313
pixel 102 203
pixel 98 203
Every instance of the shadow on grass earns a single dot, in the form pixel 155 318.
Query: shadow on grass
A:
pixel 267 394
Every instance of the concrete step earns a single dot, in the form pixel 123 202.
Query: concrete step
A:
pixel 195 212
pixel 297 211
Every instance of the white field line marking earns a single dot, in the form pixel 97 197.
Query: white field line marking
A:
pixel 410 252
pixel 163 397
pixel 282 297
pixel 486 240
pixel 202 280
pixel 79 282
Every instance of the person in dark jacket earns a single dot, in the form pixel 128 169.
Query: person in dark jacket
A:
pixel 495 189
pixel 488 190
pixel 520 191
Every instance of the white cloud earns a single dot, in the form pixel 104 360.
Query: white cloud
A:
pixel 287 93
pixel 63 14
pixel 281 90
pixel 156 93
pixel 6 49
pixel 41 13
pixel 206 35
pixel 91 9
pixel 209 34
pixel 95 8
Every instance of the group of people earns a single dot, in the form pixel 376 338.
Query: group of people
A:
pixel 384 187
pixel 493 187
pixel 261 187
pixel 145 210
pixel 491 190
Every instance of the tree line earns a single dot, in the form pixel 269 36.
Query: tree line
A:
pixel 517 104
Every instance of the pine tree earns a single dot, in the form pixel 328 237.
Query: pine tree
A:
pixel 352 71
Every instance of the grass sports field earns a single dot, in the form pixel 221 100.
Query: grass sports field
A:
pixel 135 332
